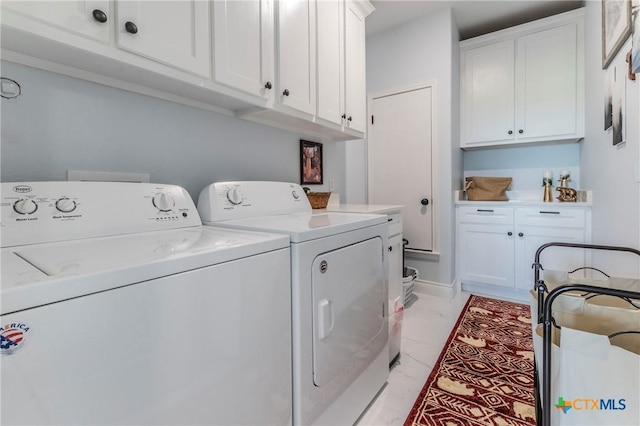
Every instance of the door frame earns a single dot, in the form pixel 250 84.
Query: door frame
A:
pixel 430 84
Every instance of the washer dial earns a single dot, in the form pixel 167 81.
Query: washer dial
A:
pixel 25 206
pixel 65 205
pixel 163 202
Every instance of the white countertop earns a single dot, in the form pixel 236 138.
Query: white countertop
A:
pixel 362 208
pixel 526 198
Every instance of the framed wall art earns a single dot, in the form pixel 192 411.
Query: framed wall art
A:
pixel 310 163
pixel 616 28
pixel 635 52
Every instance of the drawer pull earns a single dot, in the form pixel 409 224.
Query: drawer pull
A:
pixel 547 212
pixel 485 210
pixel 389 219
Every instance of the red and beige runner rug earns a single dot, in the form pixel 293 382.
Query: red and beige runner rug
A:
pixel 484 375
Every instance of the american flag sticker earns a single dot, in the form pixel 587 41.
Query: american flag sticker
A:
pixel 12 337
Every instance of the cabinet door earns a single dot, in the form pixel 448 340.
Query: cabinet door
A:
pixel 547 84
pixel 297 55
pixel 530 238
pixel 330 78
pixel 487 110
pixel 175 32
pixel 243 43
pixel 355 83
pixel 485 254
pixel 76 16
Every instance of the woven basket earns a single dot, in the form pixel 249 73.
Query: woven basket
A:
pixel 318 200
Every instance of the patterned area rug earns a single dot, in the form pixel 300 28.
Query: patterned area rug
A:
pixel 484 375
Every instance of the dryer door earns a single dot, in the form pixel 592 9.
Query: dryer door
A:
pixel 348 302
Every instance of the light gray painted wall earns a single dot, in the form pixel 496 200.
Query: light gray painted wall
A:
pixel 61 123
pixel 611 171
pixel 526 164
pixel 426 50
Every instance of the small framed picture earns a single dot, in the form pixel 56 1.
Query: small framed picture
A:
pixel 635 52
pixel 310 163
pixel 616 28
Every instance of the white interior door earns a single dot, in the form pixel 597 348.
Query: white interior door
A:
pixel 400 172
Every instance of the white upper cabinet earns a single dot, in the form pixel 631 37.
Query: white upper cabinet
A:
pixel 243 45
pixel 488 106
pixel 524 84
pixel 330 79
pixel 175 33
pixel 341 83
pixel 259 60
pixel 355 82
pixel 91 19
pixel 296 55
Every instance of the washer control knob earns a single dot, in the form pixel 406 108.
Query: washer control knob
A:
pixel 25 206
pixel 163 202
pixel 234 196
pixel 65 205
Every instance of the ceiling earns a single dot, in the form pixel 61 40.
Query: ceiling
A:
pixel 472 17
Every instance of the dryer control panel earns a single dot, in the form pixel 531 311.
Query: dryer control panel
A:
pixel 238 200
pixel 42 212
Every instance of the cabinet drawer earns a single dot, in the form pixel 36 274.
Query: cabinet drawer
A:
pixel 551 216
pixel 485 214
pixel 395 223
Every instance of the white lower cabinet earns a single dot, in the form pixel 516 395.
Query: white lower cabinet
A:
pixel 496 246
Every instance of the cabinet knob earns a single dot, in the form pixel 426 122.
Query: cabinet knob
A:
pixel 509 233
pixel 268 85
pixel 99 16
pixel 520 234
pixel 510 132
pixel 349 119
pixel 286 92
pixel 344 116
pixel 131 27
pixel 424 201
pixel 521 131
pixel 390 248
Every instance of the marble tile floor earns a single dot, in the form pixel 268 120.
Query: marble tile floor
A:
pixel 427 323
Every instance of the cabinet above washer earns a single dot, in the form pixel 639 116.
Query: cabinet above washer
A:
pixel 235 58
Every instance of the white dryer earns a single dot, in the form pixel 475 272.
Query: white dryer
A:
pixel 119 307
pixel 339 293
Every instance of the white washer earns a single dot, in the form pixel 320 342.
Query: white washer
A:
pixel 119 307
pixel 339 292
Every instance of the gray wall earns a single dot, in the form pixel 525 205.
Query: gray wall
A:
pixel 61 123
pixel 420 51
pixel 612 172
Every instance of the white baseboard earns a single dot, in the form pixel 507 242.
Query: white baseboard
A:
pixel 435 289
pixel 520 296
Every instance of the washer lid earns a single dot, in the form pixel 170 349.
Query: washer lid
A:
pixel 44 273
pixel 307 226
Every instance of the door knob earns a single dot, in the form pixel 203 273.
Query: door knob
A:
pixel 509 233
pixel 520 234
pixel 424 202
